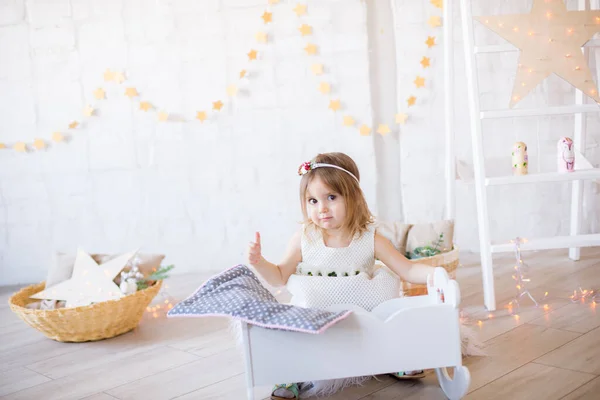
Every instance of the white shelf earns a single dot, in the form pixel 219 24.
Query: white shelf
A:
pixel 576 175
pixel 533 112
pixel 502 48
pixel 556 242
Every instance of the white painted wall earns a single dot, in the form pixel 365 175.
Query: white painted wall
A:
pixel 198 192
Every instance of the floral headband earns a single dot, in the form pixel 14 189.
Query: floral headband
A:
pixel 311 165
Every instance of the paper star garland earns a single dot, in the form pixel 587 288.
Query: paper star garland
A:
pixel 109 75
pixel 243 73
pixel 88 111
pixel 119 77
pixel 383 129
pixel 163 116
pixel 401 118
pixel 411 101
pixel 426 62
pixel 217 105
pixel 2 146
pixel 310 49
pixel 252 55
pixel 364 130
pixel 305 30
pixel 89 283
pixel 419 82
pixel 201 116
pixel 335 105
pixel 437 3
pixel 435 21
pixel 58 137
pixel 99 94
pixel 324 87
pixel 430 42
pixel 232 90
pixel 20 147
pixel 317 69
pixel 39 144
pixel 131 92
pixel 348 121
pixel 145 106
pixel 267 17
pixel 300 9
pixel 73 125
pixel 261 37
pixel 550 40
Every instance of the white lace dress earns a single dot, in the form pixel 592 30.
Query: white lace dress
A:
pixel 347 275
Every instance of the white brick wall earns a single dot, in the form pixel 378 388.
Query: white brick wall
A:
pixel 198 192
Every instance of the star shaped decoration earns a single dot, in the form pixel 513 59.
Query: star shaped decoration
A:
pixel 119 77
pixel 383 129
pixel 419 82
pixel 267 17
pixel 348 121
pixel 317 69
pixel 311 49
pixel 89 283
pixel 58 137
pixel 217 105
pixel 335 105
pixel 39 144
pixel 145 106
pixel 426 62
pixel 305 30
pixel 2 146
pixel 232 90
pixel 437 3
pixel 252 55
pixel 109 75
pixel 430 42
pixel 300 9
pixel 201 116
pixel 434 21
pixel 411 101
pixel 324 87
pixel 261 37
pixel 131 92
pixel 88 111
pixel 550 40
pixel 243 73
pixel 163 116
pixel 364 130
pixel 20 147
pixel 73 125
pixel 99 94
pixel 401 118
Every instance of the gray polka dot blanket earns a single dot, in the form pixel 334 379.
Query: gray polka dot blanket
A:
pixel 238 293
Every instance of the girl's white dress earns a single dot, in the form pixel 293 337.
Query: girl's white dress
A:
pixel 348 275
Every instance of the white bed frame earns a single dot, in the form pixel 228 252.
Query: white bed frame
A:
pixel 402 334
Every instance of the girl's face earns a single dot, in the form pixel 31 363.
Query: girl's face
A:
pixel 324 207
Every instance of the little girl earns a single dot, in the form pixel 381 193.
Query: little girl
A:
pixel 337 239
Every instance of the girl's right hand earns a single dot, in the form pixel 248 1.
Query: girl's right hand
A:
pixel 254 253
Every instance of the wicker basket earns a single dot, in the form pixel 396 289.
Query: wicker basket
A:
pixel 448 260
pixel 86 323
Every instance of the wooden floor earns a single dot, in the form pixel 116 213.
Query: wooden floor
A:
pixel 550 352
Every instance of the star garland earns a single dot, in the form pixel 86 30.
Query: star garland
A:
pixel 311 50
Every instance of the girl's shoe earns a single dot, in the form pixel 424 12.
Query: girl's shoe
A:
pixel 285 391
pixel 403 375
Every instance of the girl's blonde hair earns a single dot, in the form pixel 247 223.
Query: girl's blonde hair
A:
pixel 358 215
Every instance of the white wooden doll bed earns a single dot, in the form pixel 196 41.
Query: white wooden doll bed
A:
pixel 403 334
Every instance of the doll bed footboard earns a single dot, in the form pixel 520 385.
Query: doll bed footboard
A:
pixel 398 335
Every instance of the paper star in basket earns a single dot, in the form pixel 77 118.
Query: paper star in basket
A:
pixel 89 283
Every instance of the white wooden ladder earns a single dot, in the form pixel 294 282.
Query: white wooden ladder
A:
pixel 584 169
